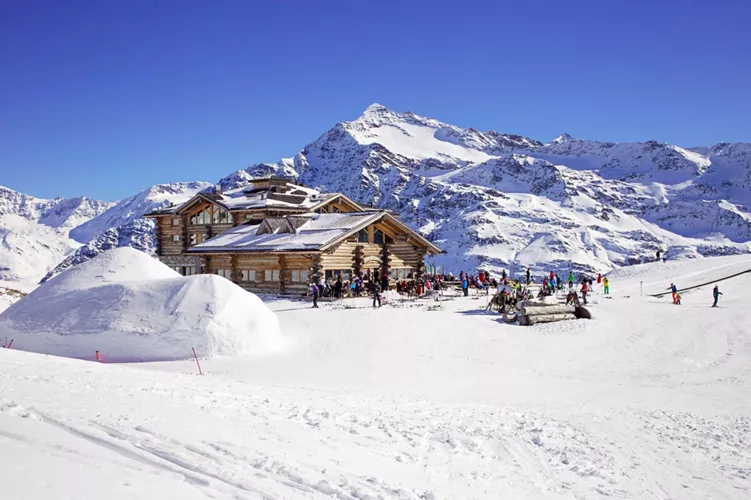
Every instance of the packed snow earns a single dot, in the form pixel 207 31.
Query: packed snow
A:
pixel 416 400
pixel 131 307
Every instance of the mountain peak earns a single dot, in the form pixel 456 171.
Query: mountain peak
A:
pixel 563 138
pixel 376 108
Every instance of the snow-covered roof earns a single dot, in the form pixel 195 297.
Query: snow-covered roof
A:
pixel 267 192
pixel 311 232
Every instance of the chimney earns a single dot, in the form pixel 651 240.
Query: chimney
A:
pixel 217 189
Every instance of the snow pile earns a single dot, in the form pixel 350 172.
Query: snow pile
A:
pixel 131 307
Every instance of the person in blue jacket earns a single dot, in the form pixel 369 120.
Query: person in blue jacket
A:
pixel 465 285
pixel 716 294
pixel 674 290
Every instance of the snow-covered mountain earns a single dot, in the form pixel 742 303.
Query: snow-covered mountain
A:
pixel 41 237
pixel 500 200
pixel 34 233
pixel 489 199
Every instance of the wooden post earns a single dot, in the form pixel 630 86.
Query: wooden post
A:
pixel 235 275
pixel 316 266
pixel 420 264
pixel 185 232
pixel 282 273
pixel 357 260
pixel 385 261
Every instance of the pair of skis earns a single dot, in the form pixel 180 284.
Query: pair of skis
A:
pixel 7 345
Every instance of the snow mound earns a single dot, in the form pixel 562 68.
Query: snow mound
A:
pixel 131 307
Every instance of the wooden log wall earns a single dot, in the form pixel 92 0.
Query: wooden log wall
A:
pixel 364 257
pixel 166 233
pixel 281 265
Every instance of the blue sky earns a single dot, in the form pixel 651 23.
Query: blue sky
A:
pixel 105 98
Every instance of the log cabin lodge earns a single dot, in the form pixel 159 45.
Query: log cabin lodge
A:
pixel 273 236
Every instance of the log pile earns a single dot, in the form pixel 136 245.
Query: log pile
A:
pixel 532 312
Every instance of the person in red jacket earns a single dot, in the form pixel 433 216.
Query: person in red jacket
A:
pixel 584 290
pixel 599 278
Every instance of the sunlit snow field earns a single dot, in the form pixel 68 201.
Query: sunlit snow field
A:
pixel 647 400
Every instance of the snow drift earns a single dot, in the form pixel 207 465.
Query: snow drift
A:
pixel 131 307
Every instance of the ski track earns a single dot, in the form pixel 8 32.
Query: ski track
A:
pixel 625 406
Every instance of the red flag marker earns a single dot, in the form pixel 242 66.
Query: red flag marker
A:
pixel 199 364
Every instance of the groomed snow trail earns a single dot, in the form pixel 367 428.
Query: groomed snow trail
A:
pixel 648 400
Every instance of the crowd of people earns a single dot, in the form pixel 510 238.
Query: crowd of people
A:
pixel 506 291
pixel 372 284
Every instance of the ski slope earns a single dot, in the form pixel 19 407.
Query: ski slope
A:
pixel 647 400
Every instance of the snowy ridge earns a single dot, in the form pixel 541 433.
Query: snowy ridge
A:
pixel 43 237
pixel 490 199
pixel 498 200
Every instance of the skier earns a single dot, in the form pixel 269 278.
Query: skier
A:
pixel 376 294
pixel 606 285
pixel 529 273
pixel 570 280
pixel 716 294
pixel 465 286
pixel 315 295
pixel 503 274
pixel 599 278
pixel 584 290
pixel 674 290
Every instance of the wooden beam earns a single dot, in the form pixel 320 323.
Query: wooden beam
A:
pixel 283 273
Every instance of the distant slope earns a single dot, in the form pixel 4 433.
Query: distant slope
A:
pixel 500 200
pixel 489 199
pixel 40 237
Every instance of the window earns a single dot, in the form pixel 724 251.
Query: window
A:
pixel 389 240
pixel 217 213
pixel 362 236
pixel 300 276
pixel 334 210
pixel 224 273
pixel 175 222
pixel 378 236
pixel 195 238
pixel 271 275
pixel 188 271
pixel 175 237
pixel 247 275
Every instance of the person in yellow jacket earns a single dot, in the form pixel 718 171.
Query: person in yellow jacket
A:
pixel 606 285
